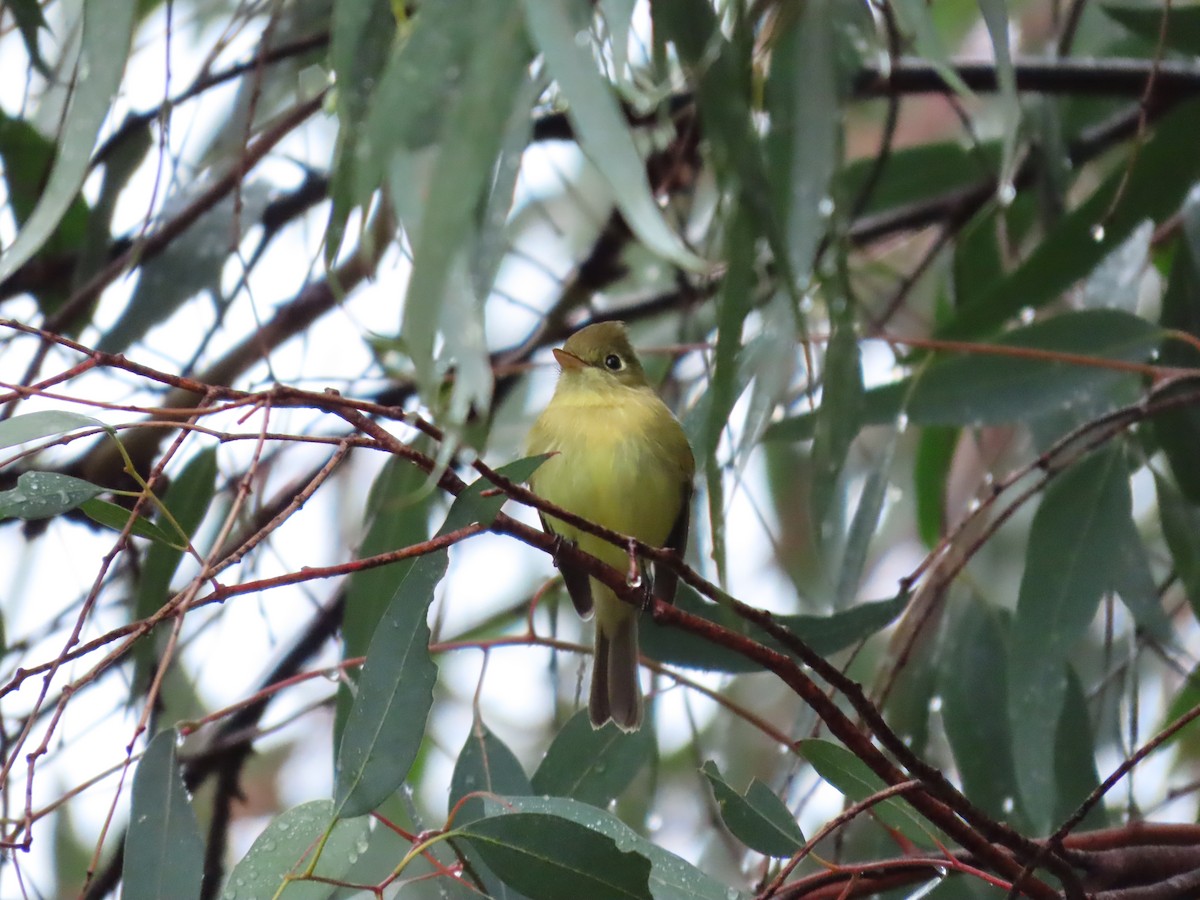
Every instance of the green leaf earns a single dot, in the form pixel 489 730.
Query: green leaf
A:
pixel 914 174
pixel 1178 431
pixel 548 857
pixel 982 389
pixel 805 136
pixel 164 853
pixel 284 848
pixel 915 18
pixel 1183 25
pixel 996 18
pixel 824 634
pixel 837 421
pixel 758 818
pixel 192 263
pixel 592 765
pixel 397 513
pixel 187 498
pixel 41 495
pixel 1181 528
pixel 485 763
pixel 475 125
pixel 1072 559
pixel 974 677
pixel 599 126
pixel 386 724
pixel 361 39
pixel 110 515
pixel 718 66
pixel 36 425
pixel 1075 774
pixel 863 527
pixel 106 35
pixel 852 777
pixel 1161 173
pixel 671 878
pixel 931 470
pixel 29 19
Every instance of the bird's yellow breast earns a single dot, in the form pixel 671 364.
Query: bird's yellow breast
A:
pixel 621 460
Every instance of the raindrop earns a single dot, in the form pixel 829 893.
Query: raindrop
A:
pixel 1027 315
pixel 1006 194
pixel 634 579
pixel 583 38
pixel 269 846
pixel 1008 805
pixel 902 422
pixel 654 822
pixel 825 207
pixel 935 704
pixel 1097 233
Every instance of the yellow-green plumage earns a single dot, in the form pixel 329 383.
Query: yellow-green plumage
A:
pixel 622 461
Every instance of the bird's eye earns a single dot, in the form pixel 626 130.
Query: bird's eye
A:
pixel 614 362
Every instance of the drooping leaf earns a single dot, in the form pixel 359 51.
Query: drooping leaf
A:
pixel 1181 529
pixel 555 29
pixel 386 724
pixel 188 499
pixel 757 818
pixel 591 765
pixel 931 469
pixel 982 389
pixel 475 123
pixel 1178 430
pixel 192 263
pixel 974 677
pixel 803 143
pixel 1162 171
pixel 107 32
pixel 838 421
pixel 1074 550
pixel 164 853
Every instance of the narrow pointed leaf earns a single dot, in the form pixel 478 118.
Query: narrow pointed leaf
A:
pixel 592 765
pixel 1075 545
pixel 164 853
pixel 601 129
pixel 106 35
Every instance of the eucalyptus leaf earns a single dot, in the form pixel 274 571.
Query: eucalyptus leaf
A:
pixel 106 36
pixel 164 853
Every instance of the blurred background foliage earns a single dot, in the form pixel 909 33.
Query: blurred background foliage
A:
pixel 279 278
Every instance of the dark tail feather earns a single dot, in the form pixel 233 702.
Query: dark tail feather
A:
pixel 616 694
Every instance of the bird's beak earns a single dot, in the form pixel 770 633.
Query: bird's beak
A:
pixel 568 360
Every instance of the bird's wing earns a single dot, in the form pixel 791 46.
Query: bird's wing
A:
pixel 665 580
pixel 579 585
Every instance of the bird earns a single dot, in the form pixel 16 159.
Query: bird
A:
pixel 619 458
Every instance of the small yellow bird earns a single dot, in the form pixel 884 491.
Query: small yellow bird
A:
pixel 622 461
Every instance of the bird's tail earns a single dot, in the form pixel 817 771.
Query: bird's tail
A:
pixel 616 693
